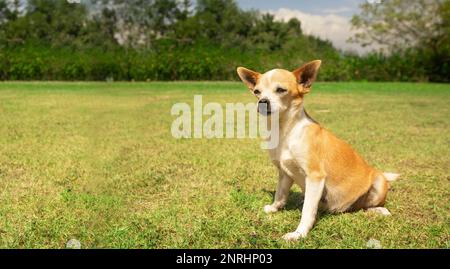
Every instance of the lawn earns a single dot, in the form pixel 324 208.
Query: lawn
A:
pixel 96 162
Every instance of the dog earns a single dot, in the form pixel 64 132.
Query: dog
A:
pixel 330 173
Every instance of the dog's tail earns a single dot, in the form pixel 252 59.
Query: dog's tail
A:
pixel 391 176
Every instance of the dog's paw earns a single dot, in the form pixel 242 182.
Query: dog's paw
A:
pixel 270 209
pixel 294 236
pixel 379 210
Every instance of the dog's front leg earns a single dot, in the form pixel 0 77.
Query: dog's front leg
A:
pixel 313 193
pixel 281 194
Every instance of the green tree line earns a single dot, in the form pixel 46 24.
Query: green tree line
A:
pixel 175 40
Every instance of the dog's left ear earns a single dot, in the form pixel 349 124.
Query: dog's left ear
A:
pixel 306 75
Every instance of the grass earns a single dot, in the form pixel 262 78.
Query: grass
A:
pixel 97 162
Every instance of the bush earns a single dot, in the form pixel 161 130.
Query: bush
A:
pixel 204 61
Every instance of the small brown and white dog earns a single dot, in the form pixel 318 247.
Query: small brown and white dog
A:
pixel 330 173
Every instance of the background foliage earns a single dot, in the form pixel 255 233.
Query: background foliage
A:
pixel 174 40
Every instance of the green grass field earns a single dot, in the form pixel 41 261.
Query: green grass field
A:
pixel 96 162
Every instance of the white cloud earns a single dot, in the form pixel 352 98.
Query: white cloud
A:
pixel 333 27
pixel 337 10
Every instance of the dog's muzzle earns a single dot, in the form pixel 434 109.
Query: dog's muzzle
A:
pixel 264 107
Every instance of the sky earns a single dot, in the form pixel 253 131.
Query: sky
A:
pixel 328 19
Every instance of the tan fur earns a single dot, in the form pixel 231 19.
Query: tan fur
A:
pixel 310 155
pixel 348 176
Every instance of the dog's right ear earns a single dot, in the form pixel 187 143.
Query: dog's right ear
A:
pixel 249 77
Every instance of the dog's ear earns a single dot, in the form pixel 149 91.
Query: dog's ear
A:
pixel 306 75
pixel 249 77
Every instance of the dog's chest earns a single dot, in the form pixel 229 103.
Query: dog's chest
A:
pixel 290 157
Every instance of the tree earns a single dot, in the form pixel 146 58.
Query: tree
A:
pixel 100 30
pixel 295 26
pixel 221 21
pixel 9 10
pixel 55 22
pixel 400 23
pixel 139 22
pixel 416 27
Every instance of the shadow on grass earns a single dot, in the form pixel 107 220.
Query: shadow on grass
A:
pixel 295 202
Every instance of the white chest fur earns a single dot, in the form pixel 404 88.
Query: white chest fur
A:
pixel 290 155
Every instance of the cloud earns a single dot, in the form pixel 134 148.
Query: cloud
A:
pixel 332 27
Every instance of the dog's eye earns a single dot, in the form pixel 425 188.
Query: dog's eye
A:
pixel 281 90
pixel 256 92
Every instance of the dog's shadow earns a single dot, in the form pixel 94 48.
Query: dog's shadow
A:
pixel 294 202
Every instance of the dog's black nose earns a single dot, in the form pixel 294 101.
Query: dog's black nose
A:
pixel 264 101
pixel 264 106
